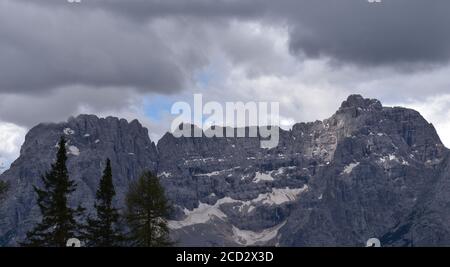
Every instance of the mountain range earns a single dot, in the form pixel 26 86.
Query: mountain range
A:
pixel 368 171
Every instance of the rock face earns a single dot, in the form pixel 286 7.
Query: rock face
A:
pixel 368 171
pixel 90 142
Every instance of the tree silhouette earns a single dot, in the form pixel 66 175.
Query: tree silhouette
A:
pixel 147 210
pixel 58 222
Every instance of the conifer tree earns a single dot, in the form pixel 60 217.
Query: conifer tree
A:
pixel 58 222
pixel 104 231
pixel 147 210
pixel 3 188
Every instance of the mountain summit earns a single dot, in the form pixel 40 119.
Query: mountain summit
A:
pixel 367 171
pixel 357 101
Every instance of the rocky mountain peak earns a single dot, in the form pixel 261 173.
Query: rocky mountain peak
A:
pixel 90 141
pixel 362 173
pixel 359 102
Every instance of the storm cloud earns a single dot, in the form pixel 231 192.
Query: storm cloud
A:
pixel 43 49
pixel 51 44
pixel 356 31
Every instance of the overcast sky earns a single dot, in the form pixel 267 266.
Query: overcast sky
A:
pixel 134 58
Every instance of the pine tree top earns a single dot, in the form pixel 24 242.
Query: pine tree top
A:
pixel 58 222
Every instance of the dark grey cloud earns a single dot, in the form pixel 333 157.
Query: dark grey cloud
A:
pixel 393 32
pixel 144 9
pixel 43 48
pixel 28 110
pixel 355 31
pixel 49 44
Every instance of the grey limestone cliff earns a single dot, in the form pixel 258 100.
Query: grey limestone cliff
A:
pixel 367 171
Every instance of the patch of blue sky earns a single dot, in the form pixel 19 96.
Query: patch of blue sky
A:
pixel 204 77
pixel 156 106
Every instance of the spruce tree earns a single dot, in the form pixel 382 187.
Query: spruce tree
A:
pixel 58 222
pixel 104 231
pixel 3 188
pixel 147 210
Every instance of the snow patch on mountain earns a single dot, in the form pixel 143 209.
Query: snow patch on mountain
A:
pixel 251 238
pixel 279 196
pixel 73 150
pixel 202 214
pixel 211 173
pixel 259 177
pixel 393 158
pixel 205 212
pixel 165 174
pixel 68 131
pixel 349 168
